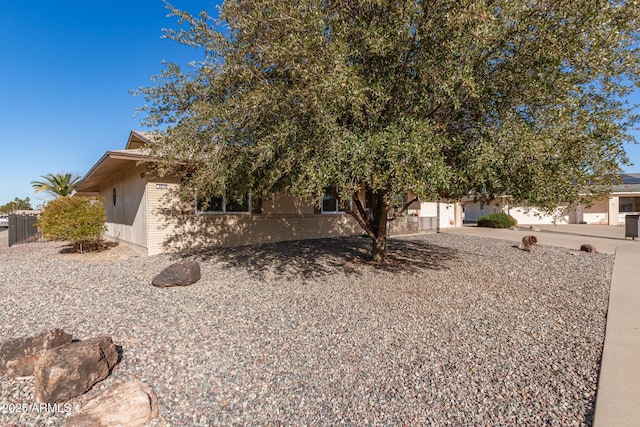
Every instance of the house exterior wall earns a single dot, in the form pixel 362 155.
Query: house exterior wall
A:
pixel 126 219
pixel 534 216
pixel 284 204
pixel 172 226
pixel 614 207
pixel 605 211
pixel 161 207
pixel 597 213
pixel 450 213
pixel 575 215
pixel 621 216
pixel 475 210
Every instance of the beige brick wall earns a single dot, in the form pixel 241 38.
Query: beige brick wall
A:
pixel 283 218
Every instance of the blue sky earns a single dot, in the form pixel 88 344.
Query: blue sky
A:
pixel 66 69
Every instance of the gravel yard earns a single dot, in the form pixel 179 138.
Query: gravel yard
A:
pixel 455 330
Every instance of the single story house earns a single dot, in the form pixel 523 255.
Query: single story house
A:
pixel 476 209
pixel 623 199
pixel 142 213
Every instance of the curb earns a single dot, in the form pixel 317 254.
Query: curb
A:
pixel 618 391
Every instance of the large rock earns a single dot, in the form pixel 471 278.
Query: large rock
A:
pixel 128 404
pixel 528 242
pixel 19 355
pixel 70 370
pixel 181 273
pixel 588 248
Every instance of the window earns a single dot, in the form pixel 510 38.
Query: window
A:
pixel 219 204
pixel 629 204
pixel 401 201
pixel 330 204
pixel 481 207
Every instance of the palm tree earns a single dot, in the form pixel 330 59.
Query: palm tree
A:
pixel 58 184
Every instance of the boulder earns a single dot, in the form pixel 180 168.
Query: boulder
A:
pixel 128 404
pixel 70 370
pixel 19 355
pixel 588 248
pixel 181 273
pixel 528 241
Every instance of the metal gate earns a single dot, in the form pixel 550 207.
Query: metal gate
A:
pixel 411 224
pixel 23 229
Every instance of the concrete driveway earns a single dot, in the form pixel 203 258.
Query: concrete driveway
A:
pixel 605 238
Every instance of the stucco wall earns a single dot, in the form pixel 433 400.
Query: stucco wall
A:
pixel 474 210
pixel 450 213
pixel 596 213
pixel 614 207
pixel 535 216
pixel 523 215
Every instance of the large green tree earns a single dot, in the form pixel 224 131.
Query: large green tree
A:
pixel 375 98
pixel 59 185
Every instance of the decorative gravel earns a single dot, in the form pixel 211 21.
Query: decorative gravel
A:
pixel 454 330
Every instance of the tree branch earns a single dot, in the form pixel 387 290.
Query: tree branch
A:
pixel 360 215
pixel 406 206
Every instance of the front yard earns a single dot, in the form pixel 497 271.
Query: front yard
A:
pixel 456 330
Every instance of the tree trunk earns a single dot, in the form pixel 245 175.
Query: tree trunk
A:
pixel 380 222
pixel 371 212
pixel 379 252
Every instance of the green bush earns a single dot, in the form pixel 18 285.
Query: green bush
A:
pixel 497 220
pixel 79 220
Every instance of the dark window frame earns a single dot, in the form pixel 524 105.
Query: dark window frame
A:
pixel 329 197
pixel 224 203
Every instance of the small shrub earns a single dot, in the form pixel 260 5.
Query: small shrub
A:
pixel 497 220
pixel 79 220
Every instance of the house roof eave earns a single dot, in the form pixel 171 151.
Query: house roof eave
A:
pixel 138 139
pixel 104 168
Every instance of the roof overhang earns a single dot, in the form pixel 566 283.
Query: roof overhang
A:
pixel 111 163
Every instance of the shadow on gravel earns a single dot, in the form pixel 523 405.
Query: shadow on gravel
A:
pixel 313 258
pixel 104 245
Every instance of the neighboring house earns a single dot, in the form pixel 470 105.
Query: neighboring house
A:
pixel 611 210
pixel 476 209
pixel 450 214
pixel 624 199
pixel 142 212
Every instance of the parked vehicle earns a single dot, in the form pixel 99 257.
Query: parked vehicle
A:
pixel 4 221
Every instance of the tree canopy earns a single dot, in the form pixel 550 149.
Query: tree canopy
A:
pixel 374 98
pixel 59 185
pixel 16 205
